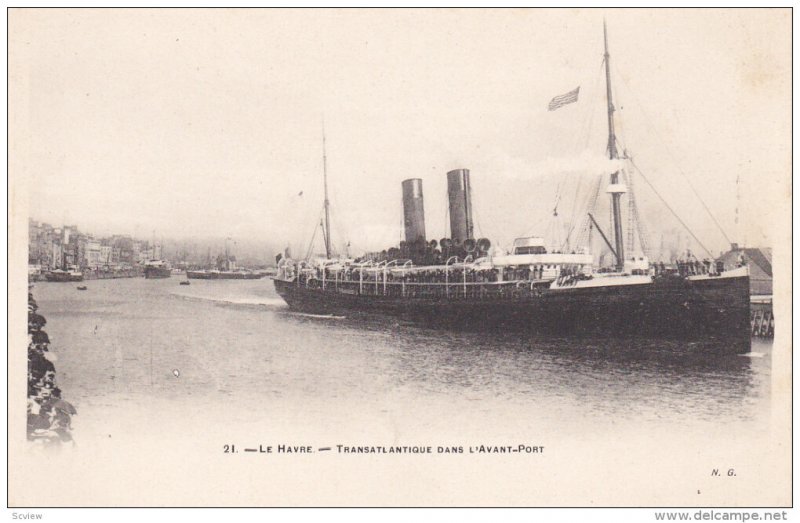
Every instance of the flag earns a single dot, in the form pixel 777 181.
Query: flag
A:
pixel 564 99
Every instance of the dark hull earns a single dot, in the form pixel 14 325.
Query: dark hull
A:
pixel 715 311
pixel 62 277
pixel 199 275
pixel 157 272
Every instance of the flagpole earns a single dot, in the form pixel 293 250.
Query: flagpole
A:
pixel 613 155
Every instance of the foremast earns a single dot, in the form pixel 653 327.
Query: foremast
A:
pixel 616 189
pixel 327 228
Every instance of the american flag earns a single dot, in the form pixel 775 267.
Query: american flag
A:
pixel 564 99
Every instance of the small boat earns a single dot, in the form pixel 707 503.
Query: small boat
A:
pixel 185 282
pixel 82 287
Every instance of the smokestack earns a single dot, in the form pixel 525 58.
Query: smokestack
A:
pixel 413 210
pixel 460 195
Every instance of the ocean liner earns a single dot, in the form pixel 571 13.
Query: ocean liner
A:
pixel 464 281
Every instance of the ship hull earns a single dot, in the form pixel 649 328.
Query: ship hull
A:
pixel 63 276
pixel 153 273
pixel 713 310
pixel 209 275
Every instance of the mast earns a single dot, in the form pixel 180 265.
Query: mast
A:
pixel 327 228
pixel 737 231
pixel 616 189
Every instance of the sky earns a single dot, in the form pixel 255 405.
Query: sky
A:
pixel 209 123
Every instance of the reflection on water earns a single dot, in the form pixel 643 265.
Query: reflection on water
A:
pixel 242 356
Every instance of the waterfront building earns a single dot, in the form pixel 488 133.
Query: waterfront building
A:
pixel 92 257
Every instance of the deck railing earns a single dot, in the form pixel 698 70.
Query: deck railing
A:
pixel 430 290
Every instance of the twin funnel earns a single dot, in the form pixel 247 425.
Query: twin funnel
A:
pixel 459 195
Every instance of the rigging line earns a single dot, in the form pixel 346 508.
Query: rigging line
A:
pixel 475 217
pixel 534 228
pixel 572 222
pixel 475 206
pixel 588 133
pixel 670 209
pixel 589 207
pixel 641 228
pixel 311 243
pixel 314 236
pixel 584 132
pixel 335 223
pixel 672 157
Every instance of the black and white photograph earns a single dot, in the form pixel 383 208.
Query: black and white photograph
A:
pixel 355 257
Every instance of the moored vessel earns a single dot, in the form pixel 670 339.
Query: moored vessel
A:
pixel 157 269
pixel 62 275
pixel 225 269
pixel 215 274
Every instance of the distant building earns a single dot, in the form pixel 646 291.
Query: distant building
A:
pixel 123 252
pixel 105 255
pixel 92 257
pixel 759 260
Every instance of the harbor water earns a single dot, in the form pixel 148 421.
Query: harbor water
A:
pixel 149 363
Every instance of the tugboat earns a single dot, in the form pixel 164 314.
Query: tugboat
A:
pixel 464 281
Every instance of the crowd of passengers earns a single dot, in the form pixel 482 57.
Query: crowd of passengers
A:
pixel 49 416
pixel 454 275
pixel 693 267
pixel 682 268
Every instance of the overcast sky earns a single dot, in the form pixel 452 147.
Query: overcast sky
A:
pixel 209 123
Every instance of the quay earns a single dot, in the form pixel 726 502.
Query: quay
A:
pixel 762 321
pixel 90 274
